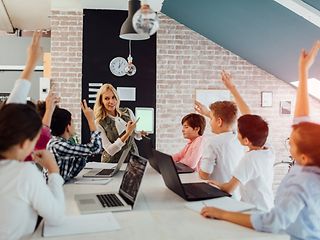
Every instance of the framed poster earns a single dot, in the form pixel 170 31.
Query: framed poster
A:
pixel 208 96
pixel 266 99
pixel 285 107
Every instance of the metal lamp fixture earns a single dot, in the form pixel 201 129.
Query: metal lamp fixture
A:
pixel 127 31
pixel 145 20
pixel 130 69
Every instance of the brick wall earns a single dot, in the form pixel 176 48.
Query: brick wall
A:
pixel 66 57
pixel 187 61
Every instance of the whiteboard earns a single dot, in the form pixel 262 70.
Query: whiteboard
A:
pixel 146 121
pixel 208 96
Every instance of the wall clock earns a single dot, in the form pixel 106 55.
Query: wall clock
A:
pixel 117 66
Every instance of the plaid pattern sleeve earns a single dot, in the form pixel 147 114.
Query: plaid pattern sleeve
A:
pixel 71 158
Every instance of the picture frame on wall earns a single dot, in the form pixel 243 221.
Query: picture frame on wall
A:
pixel 208 96
pixel 285 107
pixel 266 99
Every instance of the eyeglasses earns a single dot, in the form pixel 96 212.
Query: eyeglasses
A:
pixel 287 145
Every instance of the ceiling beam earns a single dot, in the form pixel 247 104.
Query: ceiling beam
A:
pixel 5 22
pixel 302 9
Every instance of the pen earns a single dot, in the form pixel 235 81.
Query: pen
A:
pixel 204 204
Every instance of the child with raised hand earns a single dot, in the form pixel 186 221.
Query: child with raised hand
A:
pixel 254 173
pixel 24 193
pixel 297 204
pixel 50 104
pixel 193 126
pixel 221 151
pixel 22 86
pixel 72 157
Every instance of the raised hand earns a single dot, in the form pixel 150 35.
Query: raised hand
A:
pixel 34 52
pixel 202 109
pixel 226 79
pixel 88 113
pixel 306 59
pixel 52 101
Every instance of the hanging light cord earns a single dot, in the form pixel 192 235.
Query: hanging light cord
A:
pixel 129 57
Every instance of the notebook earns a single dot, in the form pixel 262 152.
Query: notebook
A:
pixel 188 191
pixel 81 224
pixel 125 198
pixel 225 203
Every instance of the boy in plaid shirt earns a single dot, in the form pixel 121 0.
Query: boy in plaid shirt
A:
pixel 71 157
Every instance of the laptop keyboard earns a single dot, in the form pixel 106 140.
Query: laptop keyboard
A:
pixel 105 172
pixel 109 200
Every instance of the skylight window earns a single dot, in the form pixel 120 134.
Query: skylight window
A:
pixel 313 87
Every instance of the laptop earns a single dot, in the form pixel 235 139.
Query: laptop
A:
pixel 108 172
pixel 125 199
pixel 147 144
pixel 188 191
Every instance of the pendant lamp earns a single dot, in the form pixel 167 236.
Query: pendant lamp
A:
pixel 127 31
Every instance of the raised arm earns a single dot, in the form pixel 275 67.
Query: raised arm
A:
pixel 34 52
pixel 226 79
pixel 202 109
pixel 305 62
pixel 88 113
pixel 51 102
pixel 22 86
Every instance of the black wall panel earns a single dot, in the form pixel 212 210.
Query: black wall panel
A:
pixel 101 43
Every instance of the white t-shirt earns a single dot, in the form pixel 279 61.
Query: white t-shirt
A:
pixel 20 91
pixel 255 173
pixel 23 195
pixel 221 155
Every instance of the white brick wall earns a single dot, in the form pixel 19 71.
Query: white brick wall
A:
pixel 66 54
pixel 185 61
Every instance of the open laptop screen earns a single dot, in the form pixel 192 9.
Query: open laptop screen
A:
pixel 132 178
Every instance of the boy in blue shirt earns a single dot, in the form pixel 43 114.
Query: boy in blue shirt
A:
pixel 297 203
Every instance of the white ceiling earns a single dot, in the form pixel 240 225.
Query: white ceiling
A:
pixel 35 14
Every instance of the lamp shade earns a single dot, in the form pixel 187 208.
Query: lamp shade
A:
pixel 127 31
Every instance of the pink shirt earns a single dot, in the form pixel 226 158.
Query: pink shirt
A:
pixel 190 154
pixel 44 138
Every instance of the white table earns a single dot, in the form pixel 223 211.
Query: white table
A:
pixel 158 214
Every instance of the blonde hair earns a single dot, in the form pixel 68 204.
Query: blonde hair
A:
pixel 99 110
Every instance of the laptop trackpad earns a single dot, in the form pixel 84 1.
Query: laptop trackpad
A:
pixel 87 201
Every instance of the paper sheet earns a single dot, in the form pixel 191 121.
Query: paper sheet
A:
pixel 92 181
pixel 81 224
pixel 91 165
pixel 127 93
pixel 225 203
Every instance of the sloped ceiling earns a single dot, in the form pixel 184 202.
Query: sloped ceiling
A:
pixel 263 32
pixel 313 3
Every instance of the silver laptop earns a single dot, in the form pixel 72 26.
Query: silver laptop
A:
pixel 108 172
pixel 123 200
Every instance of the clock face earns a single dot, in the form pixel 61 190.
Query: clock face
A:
pixel 118 65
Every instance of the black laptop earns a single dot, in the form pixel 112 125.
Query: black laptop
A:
pixel 148 147
pixel 188 191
